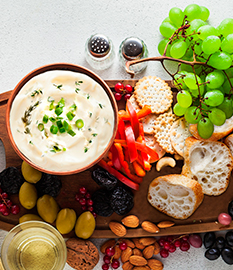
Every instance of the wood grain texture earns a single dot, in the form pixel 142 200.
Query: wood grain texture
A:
pixel 203 220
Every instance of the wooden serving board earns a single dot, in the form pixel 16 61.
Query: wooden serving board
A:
pixel 203 220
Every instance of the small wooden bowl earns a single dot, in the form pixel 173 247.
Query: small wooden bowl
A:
pixel 69 67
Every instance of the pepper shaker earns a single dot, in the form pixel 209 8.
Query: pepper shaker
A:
pixel 99 51
pixel 133 48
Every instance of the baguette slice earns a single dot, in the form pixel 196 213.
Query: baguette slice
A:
pixel 229 142
pixel 175 195
pixel 210 163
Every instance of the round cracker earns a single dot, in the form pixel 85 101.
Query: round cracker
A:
pixel 154 92
pixel 179 133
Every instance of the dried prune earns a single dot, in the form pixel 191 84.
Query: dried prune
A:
pixel 121 201
pixel 104 179
pixel 11 180
pixel 101 203
pixel 49 184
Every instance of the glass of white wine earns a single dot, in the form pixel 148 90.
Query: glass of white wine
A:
pixel 34 245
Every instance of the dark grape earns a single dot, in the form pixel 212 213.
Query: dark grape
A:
pixel 230 209
pixel 227 255
pixel 212 253
pixel 220 242
pixel 229 238
pixel 209 239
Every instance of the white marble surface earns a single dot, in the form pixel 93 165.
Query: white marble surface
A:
pixel 34 33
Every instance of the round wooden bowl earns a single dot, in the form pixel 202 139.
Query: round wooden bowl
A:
pixel 69 67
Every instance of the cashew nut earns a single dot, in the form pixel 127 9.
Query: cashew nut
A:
pixel 165 161
pixel 178 157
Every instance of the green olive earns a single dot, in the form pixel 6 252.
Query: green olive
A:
pixel 28 217
pixel 85 225
pixel 66 219
pixel 27 195
pixel 47 208
pixel 30 174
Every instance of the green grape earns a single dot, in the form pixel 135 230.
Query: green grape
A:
pixel 214 98
pixel 205 13
pixel 205 109
pixel 192 115
pixel 192 12
pixel 176 16
pixel 226 107
pixel 207 30
pixel 229 72
pixel 185 67
pixel 227 86
pixel 226 27
pixel 184 99
pixel 178 49
pixel 191 81
pixel 217 116
pixel 179 80
pixel 178 110
pixel 195 92
pixel 227 44
pixel 194 26
pixel 220 88
pixel 167 29
pixel 215 79
pixel 211 44
pixel 167 19
pixel 205 128
pixel 220 60
pixel 198 47
pixel 188 54
pixel 161 47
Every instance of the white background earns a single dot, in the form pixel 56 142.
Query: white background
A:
pixel 34 33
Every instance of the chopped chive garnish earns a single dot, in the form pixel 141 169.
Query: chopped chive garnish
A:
pixel 45 118
pixel 71 132
pixel 85 149
pixel 94 134
pixel 88 96
pixel 73 107
pixel 101 106
pixel 61 102
pixel 59 124
pixel 54 129
pixel 40 127
pixel 62 130
pixel 70 115
pixel 58 110
pixel 58 86
pixel 79 123
pixel 50 99
pixel 66 125
pixel 51 106
pixel 90 114
pixel 52 119
pixel 64 149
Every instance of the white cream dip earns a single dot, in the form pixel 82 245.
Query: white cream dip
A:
pixel 63 96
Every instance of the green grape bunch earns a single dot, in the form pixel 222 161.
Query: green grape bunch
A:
pixel 204 77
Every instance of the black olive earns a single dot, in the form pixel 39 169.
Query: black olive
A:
pixel 49 184
pixel 229 238
pixel 212 253
pixel 230 209
pixel 209 239
pixel 227 255
pixel 11 180
pixel 121 200
pixel 101 203
pixel 104 179
pixel 220 242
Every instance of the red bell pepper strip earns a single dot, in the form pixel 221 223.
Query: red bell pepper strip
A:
pixel 142 147
pixel 138 169
pixel 125 165
pixel 130 139
pixel 121 129
pixel 140 114
pixel 133 118
pixel 115 158
pixel 118 175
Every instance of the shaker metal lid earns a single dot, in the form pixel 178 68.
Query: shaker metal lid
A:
pixel 99 45
pixel 132 48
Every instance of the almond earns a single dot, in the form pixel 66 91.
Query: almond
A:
pixel 137 243
pixel 155 264
pixel 147 241
pixel 125 254
pixel 117 228
pixel 137 251
pixel 141 267
pixel 131 221
pixel 150 227
pixel 127 266
pixel 109 243
pixel 117 254
pixel 157 248
pixel 148 252
pixel 137 260
pixel 128 242
pixel 165 224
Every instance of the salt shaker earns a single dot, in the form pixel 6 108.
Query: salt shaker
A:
pixel 133 48
pixel 99 52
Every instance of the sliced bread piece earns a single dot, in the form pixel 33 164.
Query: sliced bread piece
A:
pixel 219 131
pixel 229 142
pixel 175 195
pixel 210 163
pixel 179 133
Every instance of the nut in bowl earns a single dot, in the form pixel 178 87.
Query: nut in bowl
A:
pixel 61 118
